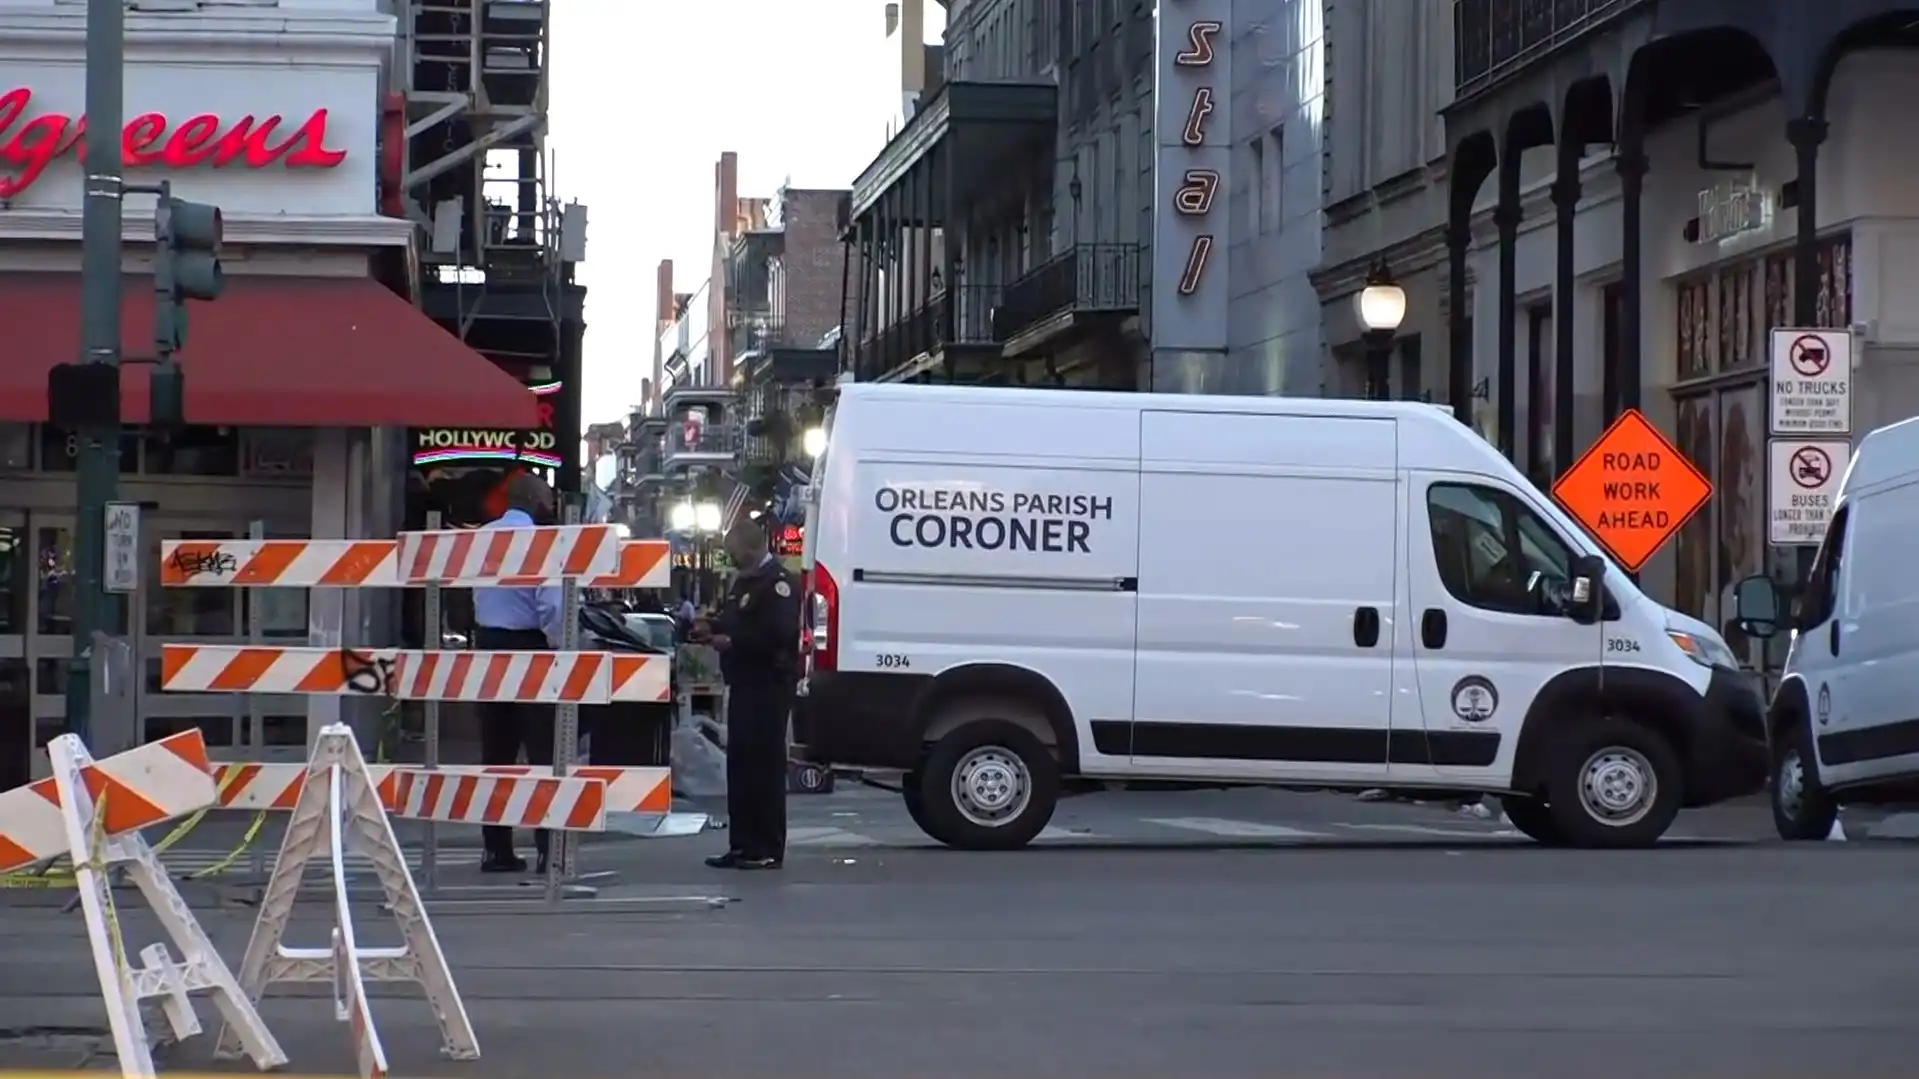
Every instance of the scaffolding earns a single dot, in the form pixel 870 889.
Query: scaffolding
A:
pixel 478 172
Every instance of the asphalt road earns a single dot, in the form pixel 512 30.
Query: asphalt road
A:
pixel 1350 952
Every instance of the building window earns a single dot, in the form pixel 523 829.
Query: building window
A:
pixel 193 451
pixel 60 450
pixel 1539 395
pixel 1724 320
pixel 1256 187
pixel 1271 191
pixel 1411 370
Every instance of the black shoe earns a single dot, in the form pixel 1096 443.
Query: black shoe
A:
pixel 759 863
pixel 730 860
pixel 502 863
pixel 539 868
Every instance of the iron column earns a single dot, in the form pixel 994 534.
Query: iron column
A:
pixel 98 465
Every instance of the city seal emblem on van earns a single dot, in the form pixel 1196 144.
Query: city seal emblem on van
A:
pixel 1474 699
pixel 1825 705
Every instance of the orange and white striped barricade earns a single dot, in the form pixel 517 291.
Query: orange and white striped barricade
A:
pixel 571 555
pixel 324 563
pixel 92 812
pixel 338 808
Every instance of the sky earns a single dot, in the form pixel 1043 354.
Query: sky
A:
pixel 646 94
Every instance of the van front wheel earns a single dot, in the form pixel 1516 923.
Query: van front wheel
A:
pixel 1801 808
pixel 988 785
pixel 1613 784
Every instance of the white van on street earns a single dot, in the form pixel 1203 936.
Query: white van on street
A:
pixel 1844 722
pixel 1015 594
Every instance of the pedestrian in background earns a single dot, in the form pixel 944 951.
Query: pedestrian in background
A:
pixel 516 619
pixel 757 636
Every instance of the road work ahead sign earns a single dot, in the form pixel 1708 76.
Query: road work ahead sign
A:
pixel 1632 490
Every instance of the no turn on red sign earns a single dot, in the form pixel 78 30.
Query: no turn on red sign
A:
pixel 1805 476
pixel 1811 382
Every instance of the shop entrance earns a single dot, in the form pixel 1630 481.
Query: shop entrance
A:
pixel 37 585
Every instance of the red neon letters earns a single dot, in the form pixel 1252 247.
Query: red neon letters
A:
pixel 150 139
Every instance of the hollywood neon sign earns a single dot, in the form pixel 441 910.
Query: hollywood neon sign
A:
pixel 153 140
pixel 536 447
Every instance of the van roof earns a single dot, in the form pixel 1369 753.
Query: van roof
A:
pixel 1421 411
pixel 1428 433
pixel 1889 453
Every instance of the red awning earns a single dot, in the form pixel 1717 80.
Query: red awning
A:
pixel 272 351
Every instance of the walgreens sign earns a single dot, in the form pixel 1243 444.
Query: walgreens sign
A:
pixel 31 140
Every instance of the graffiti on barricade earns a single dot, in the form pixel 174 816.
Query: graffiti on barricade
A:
pixel 191 562
pixel 367 673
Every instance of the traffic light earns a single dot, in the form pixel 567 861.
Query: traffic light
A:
pixel 186 266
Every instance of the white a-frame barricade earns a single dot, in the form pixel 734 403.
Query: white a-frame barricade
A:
pixel 92 812
pixel 339 811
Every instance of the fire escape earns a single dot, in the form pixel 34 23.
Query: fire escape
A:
pixel 501 251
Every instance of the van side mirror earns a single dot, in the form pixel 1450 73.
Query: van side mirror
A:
pixel 1757 606
pixel 1587 600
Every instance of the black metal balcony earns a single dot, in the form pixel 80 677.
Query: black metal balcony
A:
pixel 1492 39
pixel 1088 279
pixel 959 317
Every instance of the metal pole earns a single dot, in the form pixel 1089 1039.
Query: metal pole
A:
pixel 435 638
pixel 98 466
pixel 561 849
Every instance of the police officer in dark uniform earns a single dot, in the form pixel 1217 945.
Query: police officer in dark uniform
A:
pixel 757 635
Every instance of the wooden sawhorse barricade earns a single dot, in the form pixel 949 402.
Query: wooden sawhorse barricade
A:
pixel 569 556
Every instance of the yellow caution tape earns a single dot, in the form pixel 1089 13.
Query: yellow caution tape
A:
pixel 54 875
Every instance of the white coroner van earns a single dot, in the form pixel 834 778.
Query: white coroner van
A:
pixel 1015 594
pixel 1844 722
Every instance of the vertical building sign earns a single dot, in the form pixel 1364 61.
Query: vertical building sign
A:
pixel 1192 155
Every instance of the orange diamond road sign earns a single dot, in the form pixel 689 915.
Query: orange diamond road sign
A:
pixel 1632 490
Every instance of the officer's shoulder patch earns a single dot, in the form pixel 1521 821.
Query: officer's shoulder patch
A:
pixel 782 589
pixel 745 600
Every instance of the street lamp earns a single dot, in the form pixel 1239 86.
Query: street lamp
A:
pixel 682 517
pixel 706 517
pixel 814 441
pixel 1381 306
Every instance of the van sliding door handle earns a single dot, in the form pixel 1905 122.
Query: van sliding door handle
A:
pixel 1432 628
pixel 1366 627
pixel 1832 636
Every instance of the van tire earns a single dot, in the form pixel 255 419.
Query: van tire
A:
pixel 1534 820
pixel 998 760
pixel 1597 783
pixel 1809 815
pixel 911 794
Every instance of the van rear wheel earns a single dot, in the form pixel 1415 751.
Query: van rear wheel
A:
pixel 988 785
pixel 1613 783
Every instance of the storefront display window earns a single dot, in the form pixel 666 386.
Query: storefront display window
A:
pixel 60 449
pixel 1724 320
pixel 57 583
pixel 193 451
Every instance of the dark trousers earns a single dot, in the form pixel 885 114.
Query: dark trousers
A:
pixel 756 714
pixel 506 728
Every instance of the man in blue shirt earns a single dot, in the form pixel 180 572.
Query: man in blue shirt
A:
pixel 516 619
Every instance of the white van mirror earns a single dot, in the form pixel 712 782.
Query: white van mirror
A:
pixel 1586 593
pixel 1756 606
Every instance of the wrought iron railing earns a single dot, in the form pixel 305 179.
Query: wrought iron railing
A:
pixel 684 438
pixel 1494 38
pixel 957 316
pixel 1085 277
